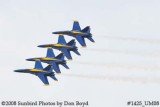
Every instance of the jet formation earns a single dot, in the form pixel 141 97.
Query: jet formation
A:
pixel 78 34
pixel 65 49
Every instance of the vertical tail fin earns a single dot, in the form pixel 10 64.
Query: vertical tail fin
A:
pixel 72 42
pixel 60 56
pixel 86 29
pixel 50 53
pixel 54 78
pixel 48 68
pixel 38 65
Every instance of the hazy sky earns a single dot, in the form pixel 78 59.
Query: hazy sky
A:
pixel 123 65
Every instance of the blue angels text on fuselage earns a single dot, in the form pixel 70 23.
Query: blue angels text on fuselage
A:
pixel 41 72
pixel 77 33
pixel 63 46
pixel 53 60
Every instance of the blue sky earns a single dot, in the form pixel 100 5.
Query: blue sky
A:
pixel 122 65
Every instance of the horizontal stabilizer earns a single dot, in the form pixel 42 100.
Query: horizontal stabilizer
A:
pixel 76 52
pixel 91 39
pixel 54 78
pixel 65 65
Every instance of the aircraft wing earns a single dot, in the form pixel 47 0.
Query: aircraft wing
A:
pixel 81 40
pixel 38 65
pixel 76 26
pixel 50 53
pixel 43 78
pixel 56 67
pixel 67 53
pixel 61 39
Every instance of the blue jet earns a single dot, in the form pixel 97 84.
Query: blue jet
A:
pixel 52 60
pixel 77 33
pixel 63 47
pixel 41 72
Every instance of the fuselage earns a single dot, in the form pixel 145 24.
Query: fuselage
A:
pixel 34 71
pixel 73 33
pixel 47 60
pixel 58 46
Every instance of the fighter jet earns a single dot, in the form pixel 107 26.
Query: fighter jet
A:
pixel 41 72
pixel 63 46
pixel 52 60
pixel 77 33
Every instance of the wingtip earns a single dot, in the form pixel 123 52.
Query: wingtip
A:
pixel 70 59
pixel 60 34
pixel 46 84
pixel 58 73
pixel 29 59
pixel 14 70
pixel 75 20
pixel 84 46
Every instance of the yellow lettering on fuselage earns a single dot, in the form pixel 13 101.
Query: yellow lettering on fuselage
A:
pixel 75 32
pixel 37 59
pixel 60 45
pixel 36 70
pixel 51 59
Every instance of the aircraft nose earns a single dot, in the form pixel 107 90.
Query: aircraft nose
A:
pixel 55 33
pixel 40 46
pixel 16 70
pixel 30 59
pixel 19 70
